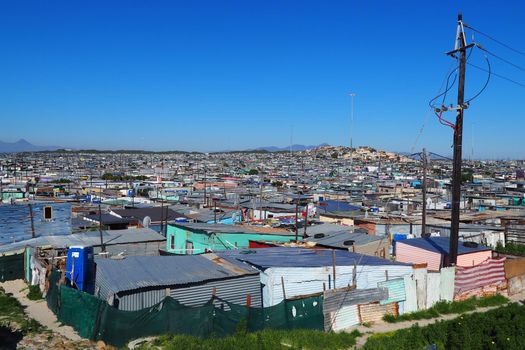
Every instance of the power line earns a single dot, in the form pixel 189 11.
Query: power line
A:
pixel 501 58
pixel 486 82
pixel 497 75
pixel 495 40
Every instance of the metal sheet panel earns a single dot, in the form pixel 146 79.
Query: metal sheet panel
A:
pixel 396 290
pixel 231 290
pixel 345 317
pixel 409 254
pixel 137 301
pixel 375 312
pixel 303 280
pixel 410 304
pixel 334 299
pixel 446 284
pixel 420 276
pixel 433 290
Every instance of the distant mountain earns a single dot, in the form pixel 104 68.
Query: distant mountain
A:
pixel 24 146
pixel 294 148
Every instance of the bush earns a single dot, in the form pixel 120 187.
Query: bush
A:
pixel 502 328
pixel 266 339
pixel 511 249
pixel 447 307
pixel 34 293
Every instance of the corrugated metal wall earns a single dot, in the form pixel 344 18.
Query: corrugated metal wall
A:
pixel 409 254
pixel 140 300
pixel 345 317
pixel 133 249
pixel 309 280
pixel 375 312
pixel 420 277
pixel 340 306
pixel 232 290
pixel 446 285
pixel 433 289
pixel 410 303
pixel 472 259
pixel 396 290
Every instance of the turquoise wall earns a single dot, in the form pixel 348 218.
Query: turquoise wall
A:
pixel 214 242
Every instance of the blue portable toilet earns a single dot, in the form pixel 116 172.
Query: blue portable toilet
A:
pixel 80 268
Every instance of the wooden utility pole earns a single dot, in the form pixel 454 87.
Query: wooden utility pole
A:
pixel 424 191
pixel 100 227
pixel 32 221
pixel 305 219
pixel 458 139
pixel 296 220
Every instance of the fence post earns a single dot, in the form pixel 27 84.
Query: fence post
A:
pixel 284 290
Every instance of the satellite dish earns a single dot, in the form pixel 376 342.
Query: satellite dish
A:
pixel 146 221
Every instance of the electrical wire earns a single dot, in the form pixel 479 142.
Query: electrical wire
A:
pixel 497 75
pixel 502 59
pixel 494 39
pixel 447 88
pixel 486 82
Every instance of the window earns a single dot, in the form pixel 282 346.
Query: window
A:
pixel 48 213
pixel 172 242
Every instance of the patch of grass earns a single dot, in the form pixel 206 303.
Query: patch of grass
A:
pixel 501 328
pixel 366 324
pixel 266 339
pixel 34 293
pixel 13 315
pixel 447 307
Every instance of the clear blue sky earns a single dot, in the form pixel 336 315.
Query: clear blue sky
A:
pixel 218 75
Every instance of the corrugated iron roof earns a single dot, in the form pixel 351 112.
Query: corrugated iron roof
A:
pixel 299 257
pixel 339 238
pixel 148 271
pixel 91 238
pixel 441 245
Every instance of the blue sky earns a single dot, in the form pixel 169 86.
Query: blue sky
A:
pixel 217 75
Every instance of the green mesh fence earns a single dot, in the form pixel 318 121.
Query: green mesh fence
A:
pixel 11 267
pixel 79 310
pixel 95 319
pixel 53 292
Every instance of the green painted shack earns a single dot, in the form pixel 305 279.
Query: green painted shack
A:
pixel 198 238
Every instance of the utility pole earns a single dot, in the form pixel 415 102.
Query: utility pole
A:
pixel 458 139
pixel 352 95
pixel 296 220
pixel 424 190
pixel 305 219
pixel 100 227
pixel 32 220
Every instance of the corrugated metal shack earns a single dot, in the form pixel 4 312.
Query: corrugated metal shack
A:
pixel 133 241
pixel 139 282
pixel 310 271
pixel 434 252
pixel 15 221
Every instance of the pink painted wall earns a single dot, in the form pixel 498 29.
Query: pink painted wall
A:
pixel 409 254
pixel 471 259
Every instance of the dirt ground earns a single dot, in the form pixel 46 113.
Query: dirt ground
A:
pixel 38 310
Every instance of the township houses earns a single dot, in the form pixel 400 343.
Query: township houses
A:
pixel 434 252
pixel 293 272
pixel 197 238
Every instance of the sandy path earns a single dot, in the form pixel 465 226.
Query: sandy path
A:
pixel 383 327
pixel 38 310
